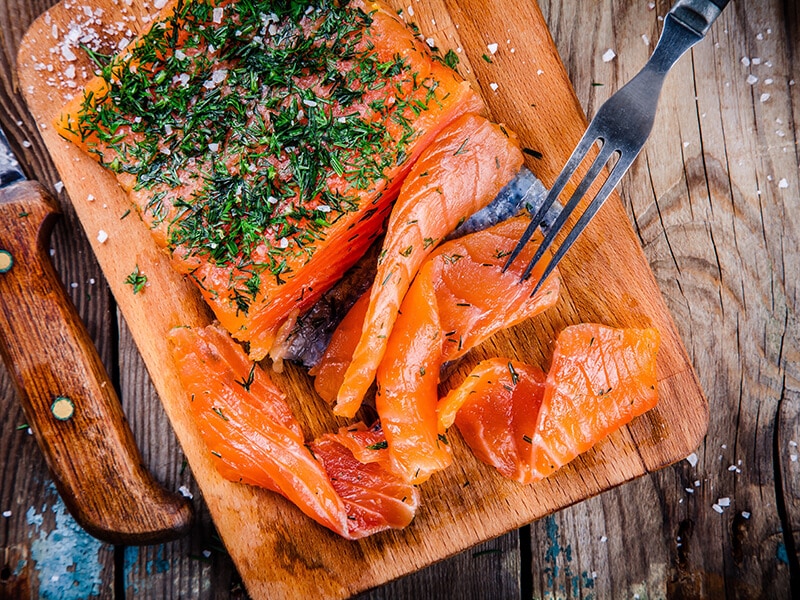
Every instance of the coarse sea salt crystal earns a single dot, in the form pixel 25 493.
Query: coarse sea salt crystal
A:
pixel 783 184
pixel 185 492
pixel 90 198
pixel 431 42
pixel 603 539
pixel 216 14
pixel 492 48
pixel 609 55
pixel 751 79
pixel 308 102
pixel 724 501
pixel 717 508
pixel 324 208
pixel 745 514
pixel 692 459
pixel 102 236
pixel 410 10
pixel 764 97
pixel 494 86
pixel 159 4
pixel 59 185
pixel 213 146
pixel 746 61
pixel 646 39
pixel 67 53
pixel 284 242
pixel 6 513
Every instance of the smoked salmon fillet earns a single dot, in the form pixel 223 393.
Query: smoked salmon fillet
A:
pixel 463 170
pixel 528 426
pixel 253 438
pixel 263 145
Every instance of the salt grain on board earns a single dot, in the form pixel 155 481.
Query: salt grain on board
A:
pixel 783 184
pixel 6 513
pixel 751 79
pixel 102 236
pixel 745 514
pixel 692 459
pixel 724 501
pixel 717 508
pixel 494 86
pixel 492 48
pixel 609 55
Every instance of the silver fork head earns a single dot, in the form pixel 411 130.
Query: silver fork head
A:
pixel 622 125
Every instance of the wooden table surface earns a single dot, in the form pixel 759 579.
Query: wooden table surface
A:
pixel 714 198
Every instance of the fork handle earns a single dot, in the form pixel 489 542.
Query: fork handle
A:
pixel 687 23
pixel 698 15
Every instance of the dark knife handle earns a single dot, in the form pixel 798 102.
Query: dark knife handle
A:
pixel 68 399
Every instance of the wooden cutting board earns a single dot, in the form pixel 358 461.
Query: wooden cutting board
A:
pixel 279 552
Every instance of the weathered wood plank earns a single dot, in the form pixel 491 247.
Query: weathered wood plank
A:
pixel 714 218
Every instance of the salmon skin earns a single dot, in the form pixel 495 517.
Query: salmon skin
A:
pixel 252 438
pixel 263 145
pixel 528 425
pixel 459 173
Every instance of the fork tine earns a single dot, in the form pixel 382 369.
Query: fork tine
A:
pixel 594 170
pixel 616 174
pixel 572 164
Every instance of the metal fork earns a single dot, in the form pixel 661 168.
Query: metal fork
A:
pixel 622 125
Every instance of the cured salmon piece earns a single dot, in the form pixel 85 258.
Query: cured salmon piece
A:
pixel 442 316
pixel 375 498
pixel 459 173
pixel 495 410
pixel 263 145
pixel 253 438
pixel 528 426
pixel 329 372
pixel 599 380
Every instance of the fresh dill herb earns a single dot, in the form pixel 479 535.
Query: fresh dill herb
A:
pixel 137 280
pixel 248 381
pixel 382 445
pixel 451 59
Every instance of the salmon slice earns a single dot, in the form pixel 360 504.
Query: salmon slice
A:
pixel 253 438
pixel 459 173
pixel 263 147
pixel 495 410
pixel 529 426
pixel 375 499
pixel 329 372
pixel 442 316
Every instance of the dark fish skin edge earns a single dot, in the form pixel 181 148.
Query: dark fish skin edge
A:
pixel 314 328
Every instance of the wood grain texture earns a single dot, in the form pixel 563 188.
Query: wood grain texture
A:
pixel 626 540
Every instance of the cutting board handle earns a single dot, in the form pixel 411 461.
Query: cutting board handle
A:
pixel 68 398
